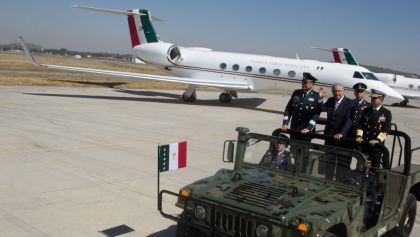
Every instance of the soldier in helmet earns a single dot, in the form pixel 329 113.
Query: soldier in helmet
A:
pixel 374 125
pixel 360 104
pixel 303 109
pixel 277 156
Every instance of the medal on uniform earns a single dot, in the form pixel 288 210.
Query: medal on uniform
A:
pixel 382 118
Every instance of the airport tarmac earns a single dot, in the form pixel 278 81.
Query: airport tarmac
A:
pixel 77 161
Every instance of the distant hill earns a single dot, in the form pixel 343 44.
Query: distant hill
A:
pixel 64 51
pixel 18 46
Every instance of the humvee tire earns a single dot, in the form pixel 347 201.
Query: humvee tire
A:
pixel 406 223
pixel 329 234
pixel 183 230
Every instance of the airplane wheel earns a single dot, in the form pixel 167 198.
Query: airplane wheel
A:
pixel 404 103
pixel 225 97
pixel 191 98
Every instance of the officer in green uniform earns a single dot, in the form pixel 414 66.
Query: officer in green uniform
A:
pixel 375 124
pixel 303 109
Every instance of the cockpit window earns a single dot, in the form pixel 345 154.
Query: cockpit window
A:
pixel 358 75
pixel 369 76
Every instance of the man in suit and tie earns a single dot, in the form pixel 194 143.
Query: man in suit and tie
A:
pixel 338 108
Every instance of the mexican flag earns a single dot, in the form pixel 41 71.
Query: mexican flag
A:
pixel 172 156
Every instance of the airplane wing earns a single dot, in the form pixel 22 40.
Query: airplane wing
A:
pixel 189 81
pixel 407 93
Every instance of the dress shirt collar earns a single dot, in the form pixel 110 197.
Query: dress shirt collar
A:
pixel 339 101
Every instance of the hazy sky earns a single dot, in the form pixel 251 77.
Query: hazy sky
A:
pixel 379 32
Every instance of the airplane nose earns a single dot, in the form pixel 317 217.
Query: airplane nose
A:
pixel 386 89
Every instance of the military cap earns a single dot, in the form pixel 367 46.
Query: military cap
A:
pixel 277 133
pixel 376 93
pixel 308 77
pixel 360 86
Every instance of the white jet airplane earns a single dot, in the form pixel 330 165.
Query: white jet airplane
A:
pixel 230 72
pixel 408 87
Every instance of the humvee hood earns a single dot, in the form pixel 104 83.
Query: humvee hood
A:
pixel 276 194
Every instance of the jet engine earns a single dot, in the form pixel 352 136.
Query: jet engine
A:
pixel 163 54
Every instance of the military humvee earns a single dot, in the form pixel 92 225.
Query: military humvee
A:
pixel 312 192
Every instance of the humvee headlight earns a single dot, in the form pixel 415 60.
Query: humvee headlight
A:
pixel 261 231
pixel 303 227
pixel 199 212
pixel 184 193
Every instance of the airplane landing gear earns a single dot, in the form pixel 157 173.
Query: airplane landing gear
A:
pixel 191 98
pixel 226 97
pixel 189 94
pixel 404 102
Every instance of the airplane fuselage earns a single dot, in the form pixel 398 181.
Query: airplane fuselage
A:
pixel 229 72
pixel 258 71
pixel 407 87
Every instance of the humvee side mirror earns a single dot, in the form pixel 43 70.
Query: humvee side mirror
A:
pixel 230 151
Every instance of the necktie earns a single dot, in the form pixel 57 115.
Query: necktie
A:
pixel 375 112
pixel 336 106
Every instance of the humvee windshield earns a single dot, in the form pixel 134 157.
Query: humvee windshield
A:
pixel 325 163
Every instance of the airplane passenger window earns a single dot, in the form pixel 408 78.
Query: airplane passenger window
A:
pixel 276 72
pixel 411 86
pixel 248 68
pixel 263 70
pixel 223 66
pixel 358 75
pixel 418 87
pixel 369 76
pixel 291 73
pixel 235 67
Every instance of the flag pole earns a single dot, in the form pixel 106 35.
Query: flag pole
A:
pixel 158 173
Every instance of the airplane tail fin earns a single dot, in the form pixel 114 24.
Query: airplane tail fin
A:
pixel 139 24
pixel 341 55
pixel 28 54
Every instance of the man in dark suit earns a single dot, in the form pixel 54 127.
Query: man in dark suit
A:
pixel 374 126
pixel 303 109
pixel 338 126
pixel 360 104
pixel 338 108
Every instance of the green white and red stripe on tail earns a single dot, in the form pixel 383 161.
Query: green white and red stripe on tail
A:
pixel 341 55
pixel 139 24
pixel 344 56
pixel 141 27
pixel 172 156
